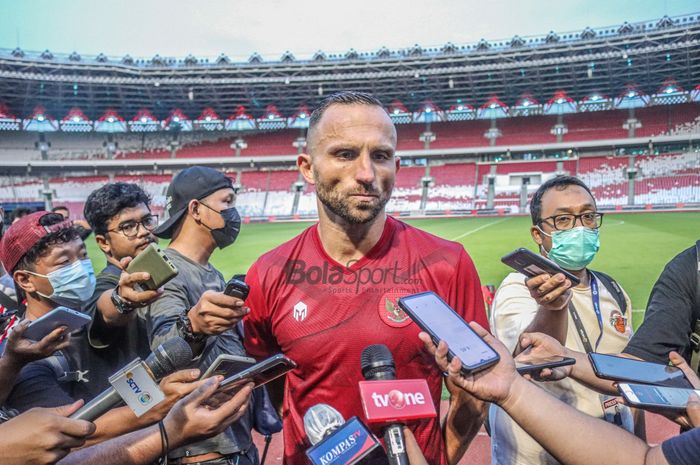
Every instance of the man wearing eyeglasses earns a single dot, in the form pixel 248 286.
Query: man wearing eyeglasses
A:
pixel 592 316
pixel 121 217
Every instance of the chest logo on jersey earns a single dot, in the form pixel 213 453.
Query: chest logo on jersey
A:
pixel 390 312
pixel 618 322
pixel 300 311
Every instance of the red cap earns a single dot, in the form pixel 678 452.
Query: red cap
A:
pixel 22 235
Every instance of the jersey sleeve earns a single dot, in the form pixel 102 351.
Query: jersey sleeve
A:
pixel 259 340
pixel 512 311
pixel 669 316
pixel 464 294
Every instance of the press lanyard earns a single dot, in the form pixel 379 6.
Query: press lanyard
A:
pixel 577 319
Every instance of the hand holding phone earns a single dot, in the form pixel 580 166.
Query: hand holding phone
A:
pixel 436 318
pixel 228 365
pixel 259 374
pixel 216 312
pixel 22 350
pixel 656 398
pixel 533 366
pixel 617 368
pixel 153 261
pixel 59 316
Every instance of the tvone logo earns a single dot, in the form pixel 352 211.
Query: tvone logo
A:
pixel 397 399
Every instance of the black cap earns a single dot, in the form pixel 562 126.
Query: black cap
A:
pixel 193 183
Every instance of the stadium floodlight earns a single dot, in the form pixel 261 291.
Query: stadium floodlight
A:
pixel 209 120
pixel 670 93
pixel 240 121
pixel 272 119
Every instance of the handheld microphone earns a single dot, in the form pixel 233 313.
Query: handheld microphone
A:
pixel 337 442
pixel 172 355
pixel 390 401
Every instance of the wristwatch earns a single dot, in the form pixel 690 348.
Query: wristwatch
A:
pixel 124 307
pixel 184 327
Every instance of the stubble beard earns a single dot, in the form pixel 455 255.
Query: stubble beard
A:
pixel 340 205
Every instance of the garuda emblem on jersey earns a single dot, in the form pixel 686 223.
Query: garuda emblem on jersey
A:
pixel 390 313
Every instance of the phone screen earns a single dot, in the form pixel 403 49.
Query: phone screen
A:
pixel 433 315
pixel 625 369
pixel 660 395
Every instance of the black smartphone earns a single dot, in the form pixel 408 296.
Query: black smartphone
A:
pixel 637 371
pixel 656 397
pixel 534 366
pixel 259 374
pixel 442 323
pixel 531 264
pixel 237 287
pixel 228 365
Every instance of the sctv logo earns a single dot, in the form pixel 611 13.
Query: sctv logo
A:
pixel 144 397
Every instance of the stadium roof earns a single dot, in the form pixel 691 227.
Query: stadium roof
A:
pixel 602 60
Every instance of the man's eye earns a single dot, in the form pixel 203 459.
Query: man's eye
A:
pixel 345 154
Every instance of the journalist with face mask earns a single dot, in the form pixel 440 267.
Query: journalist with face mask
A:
pixel 49 263
pixel 201 217
pixel 566 228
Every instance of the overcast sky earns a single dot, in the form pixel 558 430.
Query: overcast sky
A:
pixel 240 27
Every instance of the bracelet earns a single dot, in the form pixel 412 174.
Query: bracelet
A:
pixel 164 444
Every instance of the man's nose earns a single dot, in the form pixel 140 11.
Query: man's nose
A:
pixel 364 169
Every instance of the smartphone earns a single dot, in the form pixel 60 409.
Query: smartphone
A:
pixel 260 374
pixel 228 365
pixel 59 316
pixel 656 397
pixel 153 261
pixel 637 371
pixel 531 264
pixel 534 366
pixel 237 287
pixel 436 318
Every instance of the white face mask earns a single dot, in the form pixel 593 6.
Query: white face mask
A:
pixel 72 284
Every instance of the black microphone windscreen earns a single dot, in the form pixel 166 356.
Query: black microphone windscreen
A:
pixel 172 355
pixel 377 363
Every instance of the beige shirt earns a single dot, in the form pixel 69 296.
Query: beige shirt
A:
pixel 513 310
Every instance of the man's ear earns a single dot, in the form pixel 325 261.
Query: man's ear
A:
pixel 103 244
pixel 305 168
pixel 23 280
pixel 193 210
pixel 536 235
pixel 398 164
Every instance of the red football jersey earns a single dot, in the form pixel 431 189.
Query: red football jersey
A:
pixel 322 314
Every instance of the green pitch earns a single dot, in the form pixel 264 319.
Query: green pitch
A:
pixel 634 247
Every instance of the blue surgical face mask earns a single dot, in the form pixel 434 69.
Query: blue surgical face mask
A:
pixel 575 248
pixel 72 285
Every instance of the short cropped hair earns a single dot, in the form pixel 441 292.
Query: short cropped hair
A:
pixel 559 183
pixel 105 203
pixel 44 245
pixel 347 97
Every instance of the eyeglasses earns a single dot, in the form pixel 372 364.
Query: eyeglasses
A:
pixel 131 228
pixel 592 220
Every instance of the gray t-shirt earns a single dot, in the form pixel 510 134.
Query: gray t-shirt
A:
pixel 181 294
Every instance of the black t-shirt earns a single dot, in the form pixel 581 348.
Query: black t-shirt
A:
pixel 53 381
pixel 683 449
pixel 671 312
pixel 112 348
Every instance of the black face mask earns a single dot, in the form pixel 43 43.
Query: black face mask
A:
pixel 232 226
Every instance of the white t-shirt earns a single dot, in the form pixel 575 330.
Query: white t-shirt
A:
pixel 513 310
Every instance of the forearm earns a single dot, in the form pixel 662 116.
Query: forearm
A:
pixel 582 371
pixel 464 418
pixel 554 323
pixel 572 437
pixel 9 369
pixel 110 315
pixel 117 422
pixel 138 448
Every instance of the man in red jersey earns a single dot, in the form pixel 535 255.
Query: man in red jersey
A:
pixel 324 296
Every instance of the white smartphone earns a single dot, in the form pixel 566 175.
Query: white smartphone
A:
pixel 656 397
pixel 59 316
